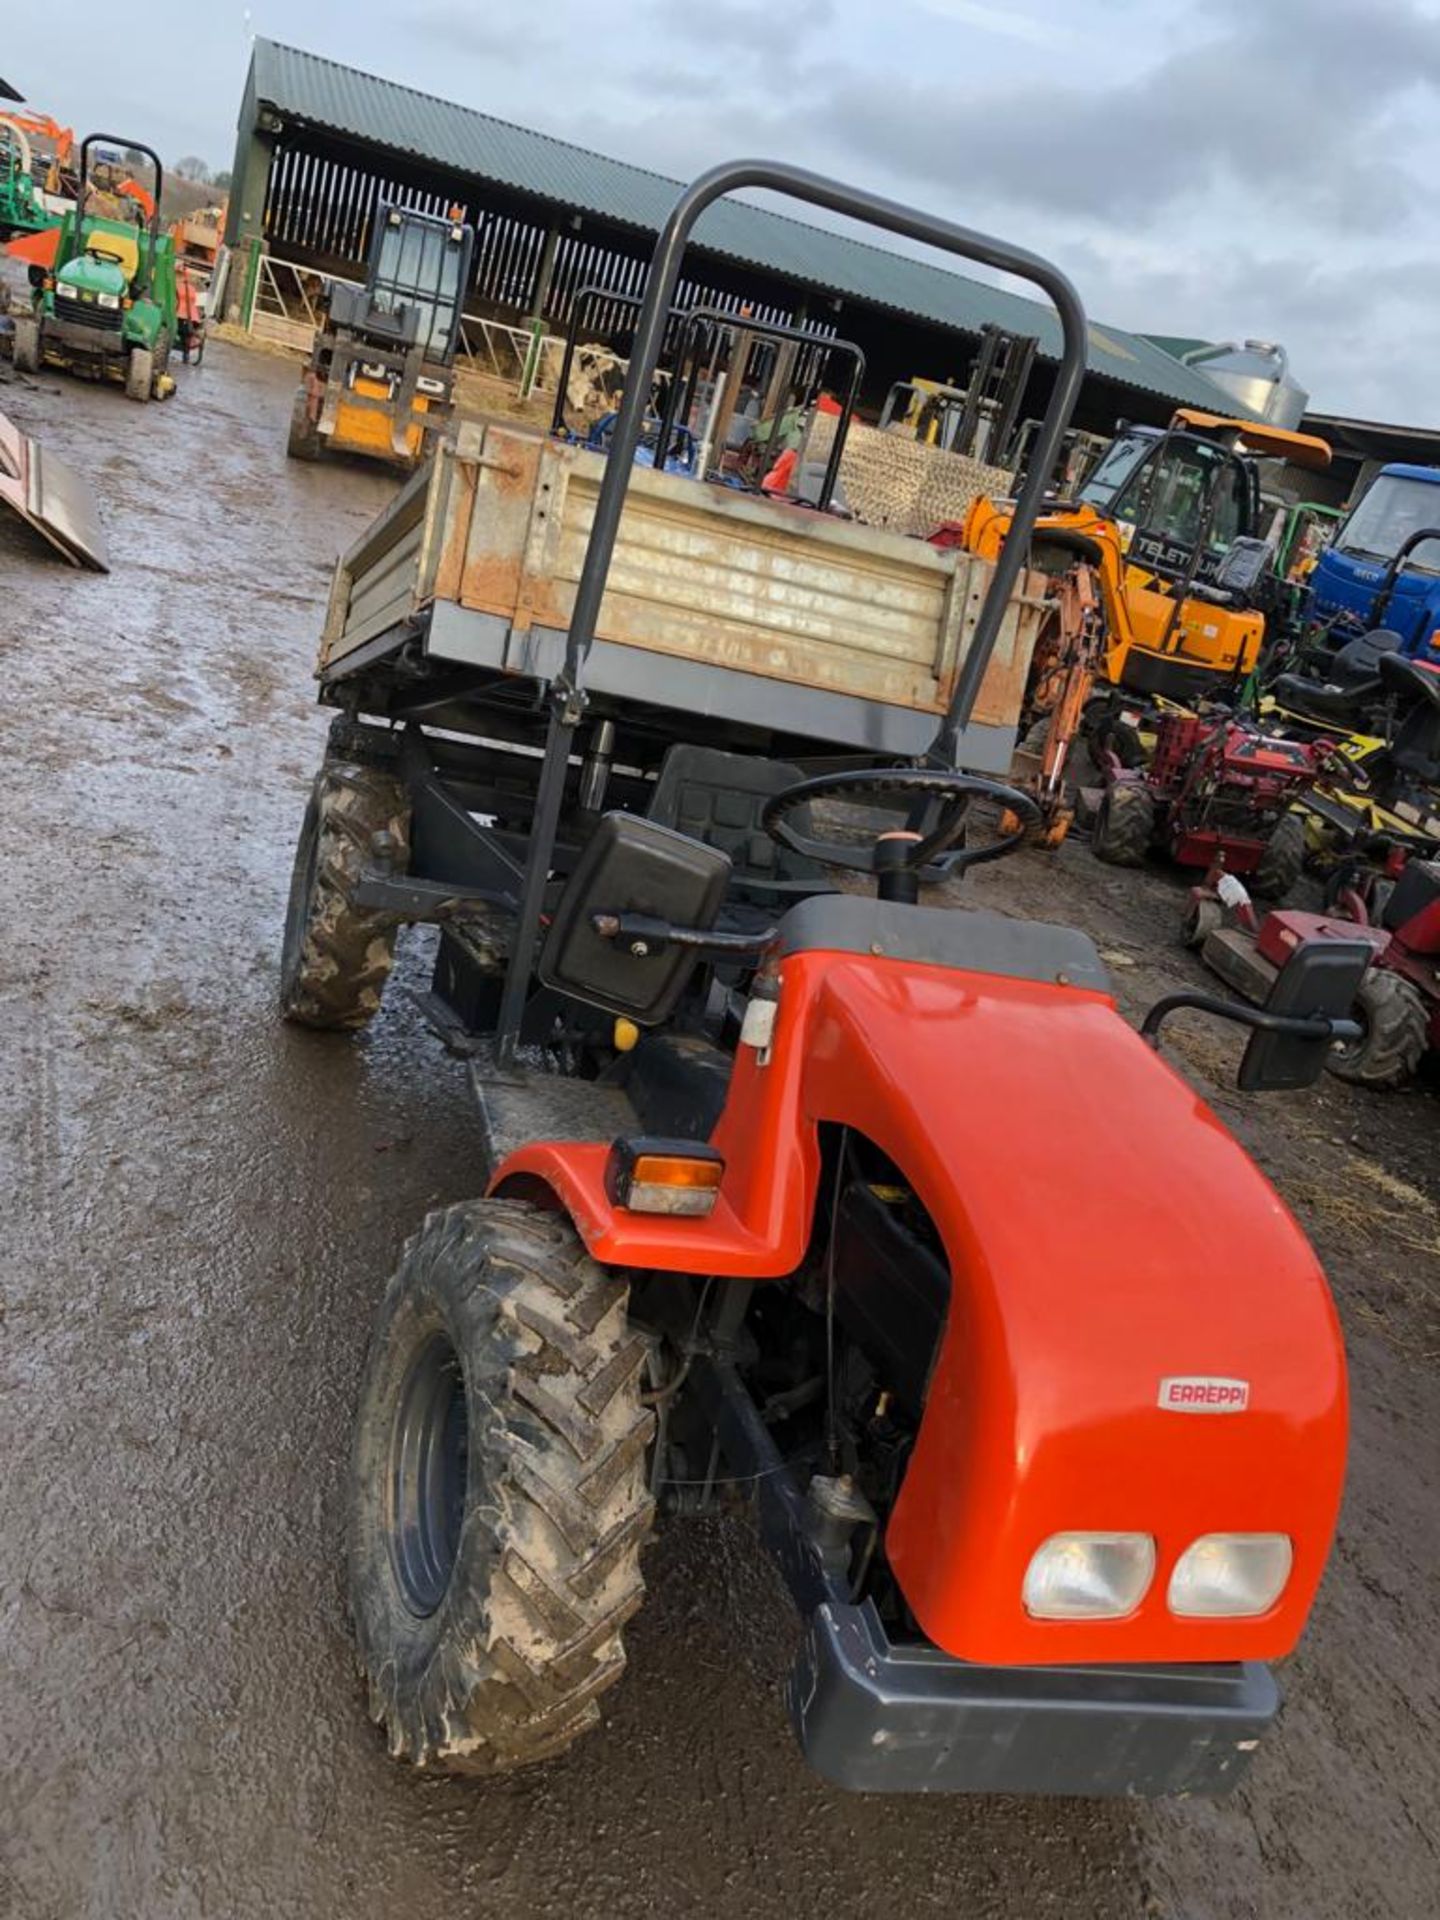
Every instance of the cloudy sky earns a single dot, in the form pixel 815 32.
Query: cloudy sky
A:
pixel 1242 168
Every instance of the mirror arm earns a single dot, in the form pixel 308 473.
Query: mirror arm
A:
pixel 1319 1027
pixel 652 936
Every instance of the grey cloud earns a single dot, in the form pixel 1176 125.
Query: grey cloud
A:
pixel 1288 99
pixel 749 25
pixel 466 34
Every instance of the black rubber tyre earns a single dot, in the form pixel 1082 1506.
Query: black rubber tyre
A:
pixel 304 440
pixel 1396 1026
pixel 336 957
pixel 1200 919
pixel 498 1498
pixel 1281 862
pixel 1124 826
pixel 139 374
pixel 25 343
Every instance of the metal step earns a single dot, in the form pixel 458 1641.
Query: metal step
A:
pixel 530 1102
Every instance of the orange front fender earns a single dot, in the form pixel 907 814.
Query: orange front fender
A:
pixel 1105 1233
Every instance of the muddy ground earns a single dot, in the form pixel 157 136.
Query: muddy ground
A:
pixel 201 1207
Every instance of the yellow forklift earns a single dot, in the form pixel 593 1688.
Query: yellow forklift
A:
pixel 381 372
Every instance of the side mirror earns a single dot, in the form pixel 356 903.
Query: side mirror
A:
pixel 632 866
pixel 1318 983
pixel 1309 1007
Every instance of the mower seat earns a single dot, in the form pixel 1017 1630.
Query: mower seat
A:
pixel 1417 888
pixel 122 248
pixel 1351 679
pixel 1415 690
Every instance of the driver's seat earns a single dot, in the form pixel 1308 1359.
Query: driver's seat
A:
pixel 719 798
pixel 1415 749
pixel 1352 677
pixel 122 248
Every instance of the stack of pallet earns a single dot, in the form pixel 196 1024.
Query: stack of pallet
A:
pixel 889 479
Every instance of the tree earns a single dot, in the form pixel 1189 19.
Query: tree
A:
pixel 221 179
pixel 192 167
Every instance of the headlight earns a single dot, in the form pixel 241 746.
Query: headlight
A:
pixel 107 299
pixel 1231 1575
pixel 1089 1576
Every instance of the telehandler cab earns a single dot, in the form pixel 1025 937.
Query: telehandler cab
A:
pixel 1048 1451
pixel 1175 523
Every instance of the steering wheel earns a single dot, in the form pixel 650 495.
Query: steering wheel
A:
pixel 903 851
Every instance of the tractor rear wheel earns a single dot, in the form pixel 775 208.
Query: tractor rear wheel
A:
pixel 1124 826
pixel 25 343
pixel 498 1497
pixel 1395 1026
pixel 336 956
pixel 139 374
pixel 304 440
pixel 1281 862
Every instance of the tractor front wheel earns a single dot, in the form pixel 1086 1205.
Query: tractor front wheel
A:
pixel 336 956
pixel 498 1498
pixel 1281 862
pixel 1124 826
pixel 25 343
pixel 1394 1028
pixel 139 374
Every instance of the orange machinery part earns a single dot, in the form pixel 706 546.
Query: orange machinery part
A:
pixel 36 249
pixel 1151 1247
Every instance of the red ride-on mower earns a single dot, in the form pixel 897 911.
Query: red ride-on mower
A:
pixel 1048 1448
pixel 1216 788
pixel 1397 1006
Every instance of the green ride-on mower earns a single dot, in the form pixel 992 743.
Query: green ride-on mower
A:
pixel 106 310
pixel 1046 1448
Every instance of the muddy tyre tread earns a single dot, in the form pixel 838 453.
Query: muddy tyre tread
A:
pixel 25 344
pixel 529 1633
pixel 139 374
pixel 1283 860
pixel 1124 826
pixel 1396 1034
pixel 303 441
pixel 337 957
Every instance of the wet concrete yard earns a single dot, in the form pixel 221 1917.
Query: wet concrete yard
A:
pixel 200 1207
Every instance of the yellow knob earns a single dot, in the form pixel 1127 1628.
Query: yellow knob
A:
pixel 626 1034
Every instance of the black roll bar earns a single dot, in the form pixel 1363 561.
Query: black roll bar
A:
pixel 816 190
pixel 153 224
pixel 716 319
pixel 567 695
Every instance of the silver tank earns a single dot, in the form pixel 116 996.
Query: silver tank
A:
pixel 1258 374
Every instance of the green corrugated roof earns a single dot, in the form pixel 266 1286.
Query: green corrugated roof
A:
pixel 341 100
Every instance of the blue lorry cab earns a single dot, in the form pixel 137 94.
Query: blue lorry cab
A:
pixel 1399 502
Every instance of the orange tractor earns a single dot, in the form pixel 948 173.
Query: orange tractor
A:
pixel 1048 1451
